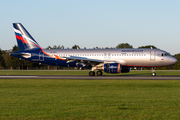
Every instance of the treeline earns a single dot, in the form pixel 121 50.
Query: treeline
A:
pixel 12 63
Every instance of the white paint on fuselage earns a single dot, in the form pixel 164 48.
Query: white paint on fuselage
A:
pixel 127 57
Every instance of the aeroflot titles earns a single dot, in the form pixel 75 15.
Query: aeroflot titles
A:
pixel 132 51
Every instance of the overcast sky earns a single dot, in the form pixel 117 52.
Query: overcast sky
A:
pixel 91 23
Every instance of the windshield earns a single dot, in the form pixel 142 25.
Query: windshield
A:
pixel 165 54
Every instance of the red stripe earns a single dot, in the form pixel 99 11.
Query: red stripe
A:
pixel 21 38
pixel 140 66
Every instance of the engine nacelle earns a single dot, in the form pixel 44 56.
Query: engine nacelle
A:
pixel 115 68
pixel 112 68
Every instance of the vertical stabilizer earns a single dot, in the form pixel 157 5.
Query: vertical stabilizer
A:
pixel 24 39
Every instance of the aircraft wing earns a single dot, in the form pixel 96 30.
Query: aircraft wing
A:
pixel 83 60
pixel 92 62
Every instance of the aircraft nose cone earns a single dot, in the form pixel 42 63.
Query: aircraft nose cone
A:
pixel 173 61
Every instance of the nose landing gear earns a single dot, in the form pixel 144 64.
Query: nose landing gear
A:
pixel 153 74
pixel 153 71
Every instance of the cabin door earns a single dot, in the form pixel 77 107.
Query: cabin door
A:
pixel 152 55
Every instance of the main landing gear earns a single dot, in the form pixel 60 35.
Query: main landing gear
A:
pixel 92 73
pixel 99 73
pixel 153 71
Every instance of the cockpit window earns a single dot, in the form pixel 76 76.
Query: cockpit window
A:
pixel 165 54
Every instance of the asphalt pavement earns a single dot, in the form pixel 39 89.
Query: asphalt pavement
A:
pixel 84 77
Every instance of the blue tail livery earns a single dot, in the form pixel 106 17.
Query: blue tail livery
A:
pixel 107 60
pixel 24 39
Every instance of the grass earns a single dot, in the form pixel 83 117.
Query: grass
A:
pixel 89 99
pixel 29 72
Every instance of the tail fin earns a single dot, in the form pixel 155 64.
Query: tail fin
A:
pixel 24 39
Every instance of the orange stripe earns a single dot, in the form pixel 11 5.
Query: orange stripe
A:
pixel 118 68
pixel 57 57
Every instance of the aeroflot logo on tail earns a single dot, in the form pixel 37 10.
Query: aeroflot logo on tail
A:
pixel 132 51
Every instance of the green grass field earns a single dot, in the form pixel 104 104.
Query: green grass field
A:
pixel 29 72
pixel 89 99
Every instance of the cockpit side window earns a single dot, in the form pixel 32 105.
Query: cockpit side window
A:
pixel 165 54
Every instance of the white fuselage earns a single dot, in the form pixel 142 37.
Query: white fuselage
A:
pixel 127 57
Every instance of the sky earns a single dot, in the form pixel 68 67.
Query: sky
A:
pixel 91 23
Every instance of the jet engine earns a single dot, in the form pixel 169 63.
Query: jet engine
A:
pixel 115 68
pixel 112 67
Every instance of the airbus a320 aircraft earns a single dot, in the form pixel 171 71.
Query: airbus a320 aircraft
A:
pixel 107 60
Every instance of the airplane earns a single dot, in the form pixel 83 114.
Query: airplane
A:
pixel 107 60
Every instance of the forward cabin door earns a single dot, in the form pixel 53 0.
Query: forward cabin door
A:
pixel 152 55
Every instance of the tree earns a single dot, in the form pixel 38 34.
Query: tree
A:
pixel 15 62
pixel 54 47
pixel 96 47
pixel 148 46
pixel 7 60
pixel 49 47
pixel 177 65
pixel 2 65
pixel 124 45
pixel 75 47
pixel 62 47
pixel 12 62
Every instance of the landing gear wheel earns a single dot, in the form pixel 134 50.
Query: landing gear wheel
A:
pixel 91 73
pixel 99 73
pixel 153 74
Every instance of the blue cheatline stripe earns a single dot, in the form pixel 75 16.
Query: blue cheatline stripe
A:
pixel 18 34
